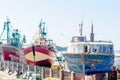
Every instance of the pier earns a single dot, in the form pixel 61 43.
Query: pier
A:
pixel 17 71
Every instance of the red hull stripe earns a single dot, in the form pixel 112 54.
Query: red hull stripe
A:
pixel 42 56
pixel 38 49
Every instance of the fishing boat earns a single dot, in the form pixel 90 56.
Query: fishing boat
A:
pixel 40 51
pixel 89 56
pixel 11 44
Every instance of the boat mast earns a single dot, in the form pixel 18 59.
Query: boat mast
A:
pixel 80 28
pixel 7 28
pixel 92 34
pixel 7 24
pixel 41 33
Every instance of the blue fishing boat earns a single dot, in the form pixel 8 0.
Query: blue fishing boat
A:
pixel 89 56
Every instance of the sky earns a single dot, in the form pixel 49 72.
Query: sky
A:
pixel 63 17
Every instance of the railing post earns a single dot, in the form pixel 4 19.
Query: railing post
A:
pixel 61 74
pixel 51 72
pixel 35 69
pixel 12 66
pixel 72 75
pixel 4 65
pixel 17 66
pixel 28 68
pixel 0 63
pixel 106 75
pixel 22 67
pixel 9 64
pixel 43 73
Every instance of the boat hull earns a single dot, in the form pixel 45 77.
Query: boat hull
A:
pixel 89 63
pixel 42 56
pixel 11 53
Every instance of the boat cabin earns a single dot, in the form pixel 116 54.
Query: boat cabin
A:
pixel 90 47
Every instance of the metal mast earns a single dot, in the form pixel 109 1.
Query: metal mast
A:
pixel 7 28
pixel 92 34
pixel 42 32
pixel 80 28
pixel 7 23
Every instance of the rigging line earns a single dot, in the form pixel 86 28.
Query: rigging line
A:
pixel 58 50
pixel 1 34
pixel 57 59
pixel 33 37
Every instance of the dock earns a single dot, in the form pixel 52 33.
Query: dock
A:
pixel 17 71
pixel 5 76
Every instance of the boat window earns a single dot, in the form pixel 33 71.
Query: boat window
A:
pixel 86 49
pixel 108 50
pixel 94 49
pixel 100 49
pixel 104 49
pixel 111 49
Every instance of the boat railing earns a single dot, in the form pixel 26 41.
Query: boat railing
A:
pixel 41 72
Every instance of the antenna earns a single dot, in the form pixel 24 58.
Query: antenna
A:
pixel 80 28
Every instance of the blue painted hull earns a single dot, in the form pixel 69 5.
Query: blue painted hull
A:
pixel 89 63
